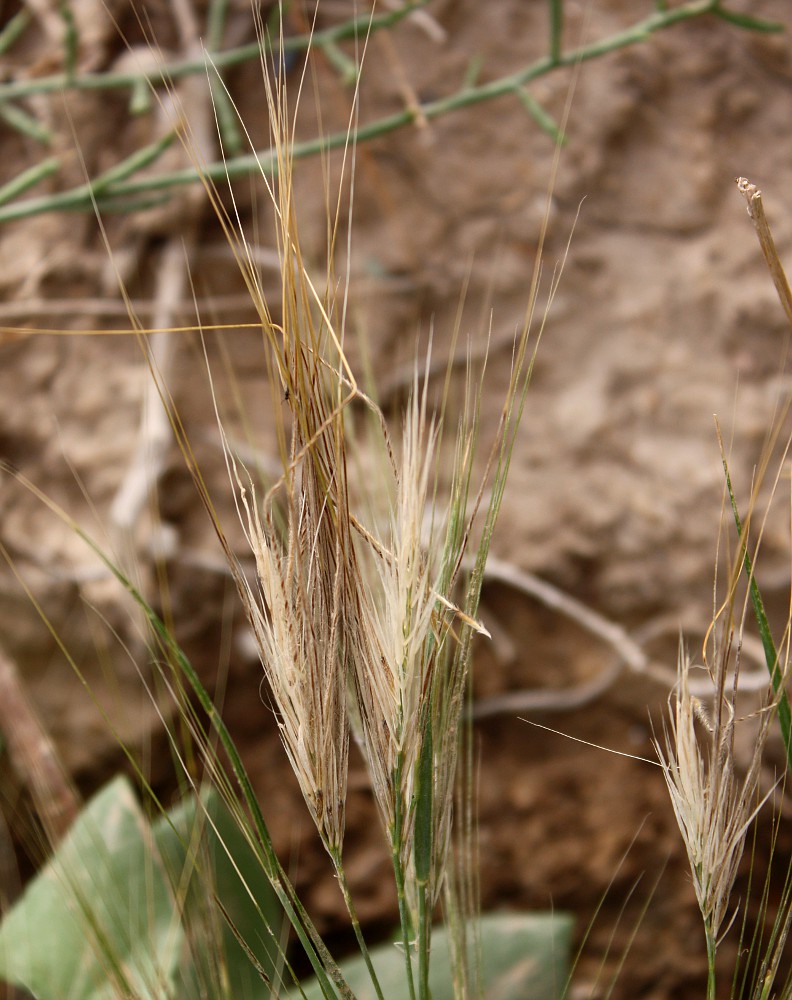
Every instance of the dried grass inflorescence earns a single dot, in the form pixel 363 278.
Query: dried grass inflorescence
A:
pixel 392 677
pixel 358 609
pixel 349 613
pixel 714 806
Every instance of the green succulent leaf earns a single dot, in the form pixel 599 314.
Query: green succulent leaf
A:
pixel 99 920
pixel 523 955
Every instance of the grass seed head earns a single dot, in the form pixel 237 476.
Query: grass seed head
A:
pixel 392 674
pixel 713 806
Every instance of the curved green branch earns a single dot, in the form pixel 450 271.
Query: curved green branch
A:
pixel 82 198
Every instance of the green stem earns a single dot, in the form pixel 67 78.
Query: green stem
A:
pixel 346 68
pixel 424 942
pixel 71 41
pixel 772 658
pixel 168 72
pixel 215 24
pixel 29 126
pixel 17 185
pixel 13 30
pixel 396 837
pixel 556 29
pixel 266 161
pixel 712 948
pixel 364 951
pixel 404 920
pixel 423 843
pixel 746 21
pixel 544 120
pixel 227 121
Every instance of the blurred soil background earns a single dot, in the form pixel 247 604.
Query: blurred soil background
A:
pixel 665 315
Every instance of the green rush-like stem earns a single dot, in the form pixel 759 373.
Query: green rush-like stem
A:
pixel 227 123
pixel 746 21
pixel 24 123
pixel 545 121
pixel 91 193
pixel 556 29
pixel 17 185
pixel 71 41
pixel 349 903
pixel 215 23
pixel 138 160
pixel 169 72
pixel 266 161
pixel 770 652
pixel 347 69
pixel 14 30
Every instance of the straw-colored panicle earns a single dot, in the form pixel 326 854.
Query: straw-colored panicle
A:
pixel 714 807
pixel 297 618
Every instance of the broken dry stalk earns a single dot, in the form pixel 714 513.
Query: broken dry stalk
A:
pixel 34 756
pixel 757 213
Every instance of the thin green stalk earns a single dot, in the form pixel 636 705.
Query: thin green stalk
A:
pixel 422 849
pixel 545 121
pixel 71 40
pixel 347 69
pixel 266 161
pixel 772 658
pixel 90 193
pixel 28 178
pixel 556 29
pixel 396 835
pixel 361 941
pixel 168 72
pixel 215 24
pixel 227 122
pixel 25 123
pixel 742 20
pixel 424 942
pixel 14 30
pixel 138 160
pixel 712 948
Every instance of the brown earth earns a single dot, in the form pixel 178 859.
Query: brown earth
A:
pixel 665 315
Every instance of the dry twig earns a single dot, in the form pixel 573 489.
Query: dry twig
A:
pixel 33 755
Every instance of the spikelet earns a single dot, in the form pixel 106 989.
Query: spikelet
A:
pixel 393 671
pixel 713 806
pixel 296 615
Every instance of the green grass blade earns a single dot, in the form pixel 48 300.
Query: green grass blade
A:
pixel 423 853
pixel 323 964
pixel 770 652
